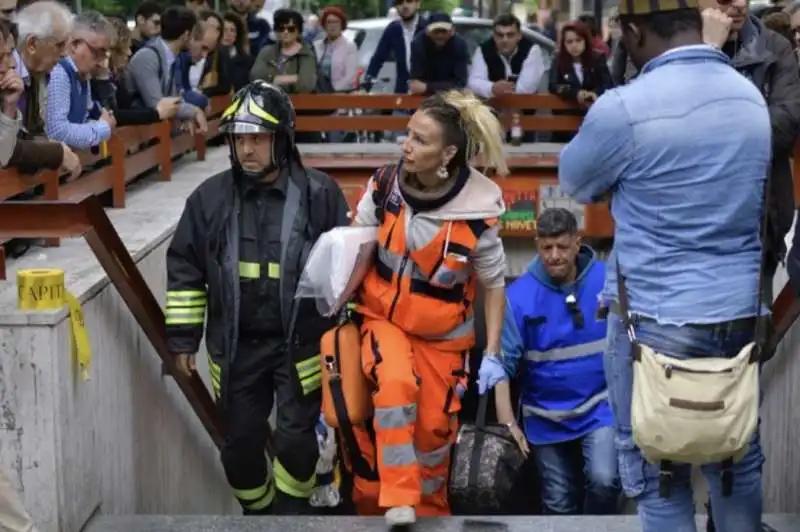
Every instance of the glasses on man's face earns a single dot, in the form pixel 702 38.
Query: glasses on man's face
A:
pixel 98 53
pixel 287 29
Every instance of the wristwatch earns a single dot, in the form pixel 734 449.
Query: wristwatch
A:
pixel 498 355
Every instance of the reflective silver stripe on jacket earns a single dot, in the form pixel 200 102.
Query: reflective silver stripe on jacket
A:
pixel 562 415
pixel 567 353
pixel 393 261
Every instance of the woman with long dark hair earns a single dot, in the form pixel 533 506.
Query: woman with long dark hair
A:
pixel 579 73
pixel 237 45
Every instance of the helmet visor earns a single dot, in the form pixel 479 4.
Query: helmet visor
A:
pixel 241 127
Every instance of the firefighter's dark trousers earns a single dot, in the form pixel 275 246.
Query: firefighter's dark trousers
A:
pixel 262 374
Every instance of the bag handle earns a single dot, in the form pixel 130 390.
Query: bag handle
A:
pixel 480 439
pixel 483 404
pixel 761 332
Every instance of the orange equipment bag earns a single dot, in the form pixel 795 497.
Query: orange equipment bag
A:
pixel 345 390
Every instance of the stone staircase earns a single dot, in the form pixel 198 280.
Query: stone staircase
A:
pixel 214 523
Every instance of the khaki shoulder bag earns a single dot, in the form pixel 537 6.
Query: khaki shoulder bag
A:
pixel 697 410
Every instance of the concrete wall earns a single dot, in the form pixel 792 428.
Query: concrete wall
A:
pixel 125 441
pixel 780 419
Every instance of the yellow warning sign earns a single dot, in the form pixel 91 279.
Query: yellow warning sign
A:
pixel 43 289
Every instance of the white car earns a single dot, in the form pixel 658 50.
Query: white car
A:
pixel 366 34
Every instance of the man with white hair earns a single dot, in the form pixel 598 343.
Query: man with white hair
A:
pixel 42 31
pixel 73 117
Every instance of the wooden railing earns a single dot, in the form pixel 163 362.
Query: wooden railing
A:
pixel 131 152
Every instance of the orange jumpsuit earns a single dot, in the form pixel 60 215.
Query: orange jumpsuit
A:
pixel 417 331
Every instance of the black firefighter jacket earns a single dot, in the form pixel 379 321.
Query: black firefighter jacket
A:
pixel 203 265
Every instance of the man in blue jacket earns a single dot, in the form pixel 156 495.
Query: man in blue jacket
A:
pixel 396 42
pixel 553 341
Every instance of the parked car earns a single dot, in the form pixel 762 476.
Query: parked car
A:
pixel 366 33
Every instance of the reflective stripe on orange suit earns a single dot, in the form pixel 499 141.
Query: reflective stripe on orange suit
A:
pixel 418 327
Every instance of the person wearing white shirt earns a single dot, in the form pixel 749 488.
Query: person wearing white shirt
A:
pixel 507 63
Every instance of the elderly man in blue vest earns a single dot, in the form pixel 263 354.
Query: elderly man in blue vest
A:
pixel 553 342
pixel 73 117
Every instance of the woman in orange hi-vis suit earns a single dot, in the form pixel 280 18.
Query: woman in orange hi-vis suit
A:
pixel 438 236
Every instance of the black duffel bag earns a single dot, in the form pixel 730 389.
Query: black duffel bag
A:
pixel 484 467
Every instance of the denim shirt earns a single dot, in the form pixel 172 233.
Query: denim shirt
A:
pixel 683 151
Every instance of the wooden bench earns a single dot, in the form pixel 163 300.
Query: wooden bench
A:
pixel 400 102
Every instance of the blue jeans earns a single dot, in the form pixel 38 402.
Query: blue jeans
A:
pixel 561 490
pixel 738 512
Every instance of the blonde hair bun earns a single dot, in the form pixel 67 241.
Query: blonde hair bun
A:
pixel 484 131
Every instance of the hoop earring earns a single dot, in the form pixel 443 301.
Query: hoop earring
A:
pixel 442 172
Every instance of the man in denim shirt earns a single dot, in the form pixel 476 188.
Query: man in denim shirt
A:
pixel 686 178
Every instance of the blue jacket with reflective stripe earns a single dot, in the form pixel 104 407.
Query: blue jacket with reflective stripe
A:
pixel 560 366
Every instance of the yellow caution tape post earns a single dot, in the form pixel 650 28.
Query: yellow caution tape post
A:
pixel 43 289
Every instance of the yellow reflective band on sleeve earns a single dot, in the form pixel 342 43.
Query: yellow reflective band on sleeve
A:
pixel 185 307
pixel 312 384
pixel 215 373
pixel 309 371
pixel 186 298
pixel 309 365
pixel 256 498
pixel 302 489
pixel 185 316
pixel 274 270
pixel 249 270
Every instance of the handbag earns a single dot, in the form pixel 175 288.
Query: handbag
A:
pixel 698 410
pixel 484 467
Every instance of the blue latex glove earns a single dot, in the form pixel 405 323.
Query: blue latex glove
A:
pixel 490 373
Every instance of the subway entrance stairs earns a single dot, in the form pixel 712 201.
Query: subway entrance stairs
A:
pixel 202 523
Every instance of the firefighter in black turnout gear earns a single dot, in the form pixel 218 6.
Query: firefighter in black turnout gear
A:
pixel 239 248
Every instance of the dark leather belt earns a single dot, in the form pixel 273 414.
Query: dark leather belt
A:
pixel 737 325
